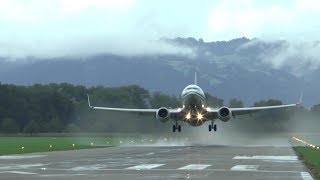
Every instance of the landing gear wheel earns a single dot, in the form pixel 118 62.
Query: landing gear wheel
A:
pixel 174 128
pixel 215 127
pixel 210 127
pixel 179 128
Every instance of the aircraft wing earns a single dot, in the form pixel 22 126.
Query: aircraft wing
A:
pixel 248 110
pixel 138 111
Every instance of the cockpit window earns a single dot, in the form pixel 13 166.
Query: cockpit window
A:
pixel 189 88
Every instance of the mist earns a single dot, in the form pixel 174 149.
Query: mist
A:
pixel 82 47
pixel 299 57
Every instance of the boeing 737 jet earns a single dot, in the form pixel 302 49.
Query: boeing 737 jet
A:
pixel 194 110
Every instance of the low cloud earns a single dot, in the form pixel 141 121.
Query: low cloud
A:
pixel 298 57
pixel 89 46
pixel 80 28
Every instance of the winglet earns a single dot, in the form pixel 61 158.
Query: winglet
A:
pixel 89 101
pixel 195 78
pixel 300 100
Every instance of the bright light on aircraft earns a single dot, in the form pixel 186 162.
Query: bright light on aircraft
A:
pixel 208 109
pixel 179 109
pixel 188 116
pixel 199 116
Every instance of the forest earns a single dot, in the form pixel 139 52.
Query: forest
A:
pixel 63 108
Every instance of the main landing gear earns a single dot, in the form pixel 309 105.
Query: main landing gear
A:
pixel 212 126
pixel 176 127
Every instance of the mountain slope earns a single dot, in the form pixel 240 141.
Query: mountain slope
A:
pixel 226 69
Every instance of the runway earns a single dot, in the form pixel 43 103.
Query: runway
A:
pixel 158 163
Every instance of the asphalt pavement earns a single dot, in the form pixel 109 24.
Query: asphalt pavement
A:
pixel 159 162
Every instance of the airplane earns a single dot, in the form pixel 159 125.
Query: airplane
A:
pixel 194 110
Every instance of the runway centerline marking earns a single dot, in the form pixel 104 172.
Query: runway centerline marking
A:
pixel 306 176
pixel 145 166
pixel 245 168
pixel 275 158
pixel 195 167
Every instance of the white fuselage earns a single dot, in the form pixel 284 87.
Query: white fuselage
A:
pixel 193 102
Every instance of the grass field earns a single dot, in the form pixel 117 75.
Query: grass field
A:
pixel 311 157
pixel 18 145
pixel 58 142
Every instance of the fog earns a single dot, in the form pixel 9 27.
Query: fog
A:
pixel 300 57
pixel 241 131
pixel 88 46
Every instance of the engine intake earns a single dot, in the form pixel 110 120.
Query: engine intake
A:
pixel 163 114
pixel 224 114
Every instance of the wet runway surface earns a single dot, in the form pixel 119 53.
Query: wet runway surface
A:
pixel 156 163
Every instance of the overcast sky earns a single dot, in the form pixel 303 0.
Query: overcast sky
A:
pixel 62 27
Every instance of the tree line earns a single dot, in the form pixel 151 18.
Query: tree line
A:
pixel 63 108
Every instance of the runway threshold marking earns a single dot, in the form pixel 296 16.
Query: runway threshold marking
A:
pixel 245 168
pixel 195 167
pixel 145 166
pixel 277 158
pixel 306 176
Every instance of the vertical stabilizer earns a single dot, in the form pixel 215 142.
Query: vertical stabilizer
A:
pixel 195 78
pixel 300 100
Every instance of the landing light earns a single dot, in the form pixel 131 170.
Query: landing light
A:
pixel 208 109
pixel 199 116
pixel 179 109
pixel 188 116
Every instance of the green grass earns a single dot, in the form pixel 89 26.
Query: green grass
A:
pixel 42 142
pixel 18 145
pixel 311 157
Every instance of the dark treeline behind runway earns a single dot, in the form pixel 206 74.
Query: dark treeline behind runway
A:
pixel 63 108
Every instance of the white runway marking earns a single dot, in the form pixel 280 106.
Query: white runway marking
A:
pixel 17 172
pixel 306 176
pixel 145 166
pixel 195 166
pixel 88 167
pixel 245 168
pixel 271 158
pixel 20 166
pixel 22 157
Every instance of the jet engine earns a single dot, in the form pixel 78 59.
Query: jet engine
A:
pixel 163 114
pixel 224 114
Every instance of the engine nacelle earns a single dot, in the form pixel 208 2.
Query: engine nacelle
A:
pixel 163 114
pixel 224 114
